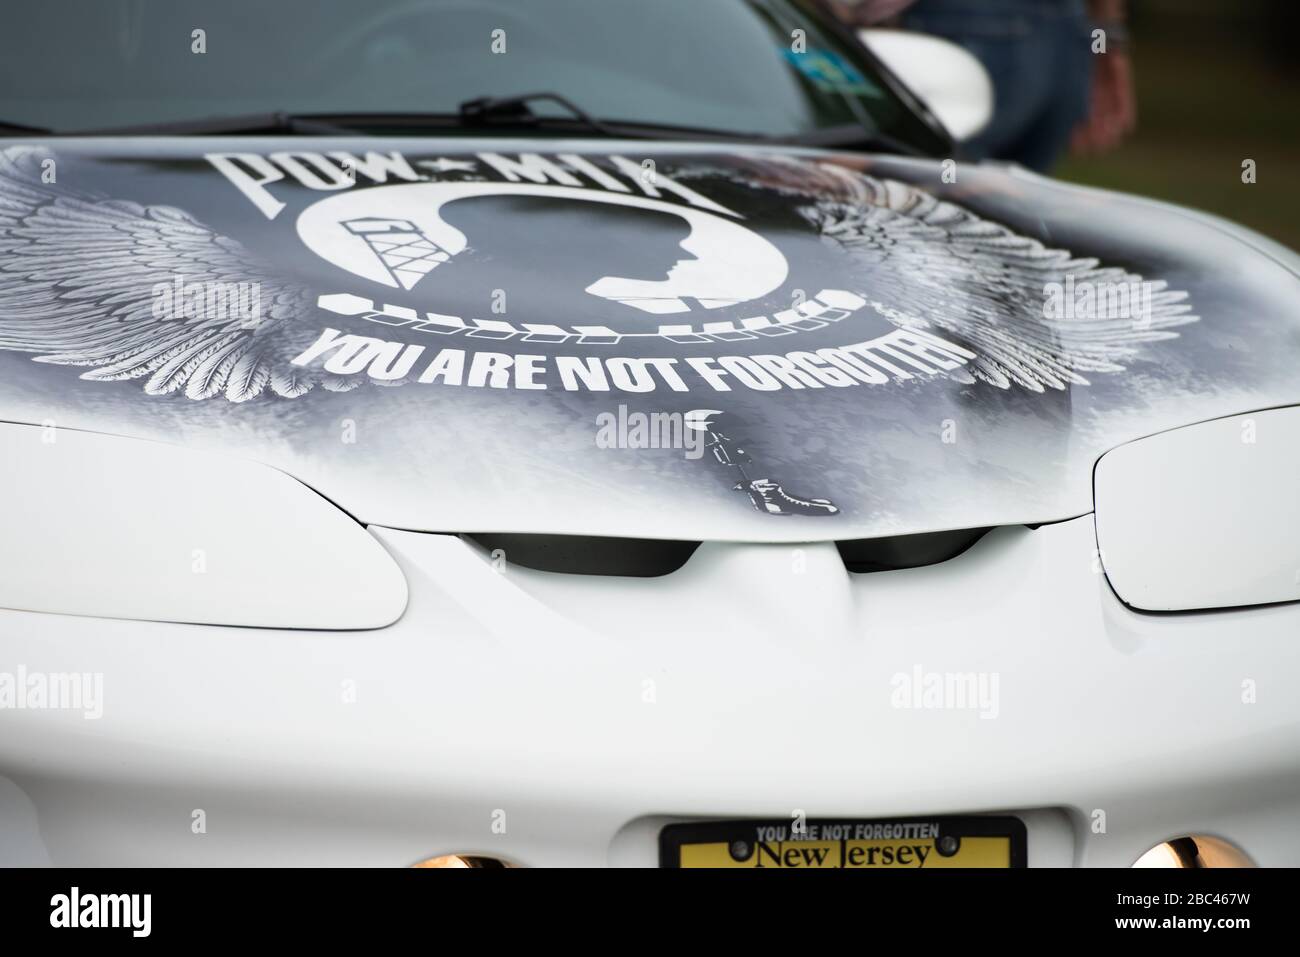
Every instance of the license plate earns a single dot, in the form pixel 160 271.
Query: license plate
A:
pixel 908 843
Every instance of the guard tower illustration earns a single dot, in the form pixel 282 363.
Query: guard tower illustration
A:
pixel 405 251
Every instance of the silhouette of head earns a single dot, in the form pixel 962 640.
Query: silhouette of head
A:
pixel 558 240
pixel 570 247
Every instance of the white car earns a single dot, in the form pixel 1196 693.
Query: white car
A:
pixel 686 464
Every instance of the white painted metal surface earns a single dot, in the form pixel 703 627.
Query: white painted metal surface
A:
pixel 582 712
pixel 1204 516
pixel 125 528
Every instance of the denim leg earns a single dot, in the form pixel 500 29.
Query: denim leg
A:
pixel 1047 137
pixel 1036 53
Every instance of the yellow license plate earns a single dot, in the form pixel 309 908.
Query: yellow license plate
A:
pixel 912 843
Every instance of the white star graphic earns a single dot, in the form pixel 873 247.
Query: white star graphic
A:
pixel 444 165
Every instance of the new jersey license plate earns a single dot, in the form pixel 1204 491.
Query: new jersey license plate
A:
pixel 847 843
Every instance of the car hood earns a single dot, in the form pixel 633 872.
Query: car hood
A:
pixel 615 338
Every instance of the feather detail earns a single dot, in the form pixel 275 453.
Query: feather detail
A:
pixel 927 263
pixel 88 280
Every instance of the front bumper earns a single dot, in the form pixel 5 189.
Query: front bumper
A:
pixel 551 719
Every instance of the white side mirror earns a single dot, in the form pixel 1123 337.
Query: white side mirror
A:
pixel 951 81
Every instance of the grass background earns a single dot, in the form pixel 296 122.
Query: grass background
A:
pixel 1218 82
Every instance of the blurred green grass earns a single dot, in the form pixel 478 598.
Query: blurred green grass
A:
pixel 1216 84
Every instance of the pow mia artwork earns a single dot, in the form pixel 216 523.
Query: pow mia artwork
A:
pixel 832 309
pixel 569 252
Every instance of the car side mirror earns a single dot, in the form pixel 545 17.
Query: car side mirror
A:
pixel 948 79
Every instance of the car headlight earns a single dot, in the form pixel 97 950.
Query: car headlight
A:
pixel 1204 516
pixel 124 528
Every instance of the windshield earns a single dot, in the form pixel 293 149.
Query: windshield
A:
pixel 767 67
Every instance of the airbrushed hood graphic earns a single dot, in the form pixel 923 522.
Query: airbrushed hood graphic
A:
pixel 455 335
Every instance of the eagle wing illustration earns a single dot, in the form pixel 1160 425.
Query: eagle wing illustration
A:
pixel 930 264
pixel 78 274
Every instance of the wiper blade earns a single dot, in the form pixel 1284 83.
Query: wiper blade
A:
pixel 484 113
pixel 506 112
pixel 21 129
pixel 514 109
pixel 278 122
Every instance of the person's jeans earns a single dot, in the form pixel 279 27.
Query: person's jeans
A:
pixel 1038 53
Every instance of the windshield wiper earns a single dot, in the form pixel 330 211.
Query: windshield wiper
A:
pixel 509 113
pixel 513 110
pixel 278 122
pixel 21 129
pixel 506 114
pixel 486 110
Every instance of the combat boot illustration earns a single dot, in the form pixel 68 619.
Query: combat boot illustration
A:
pixel 766 495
